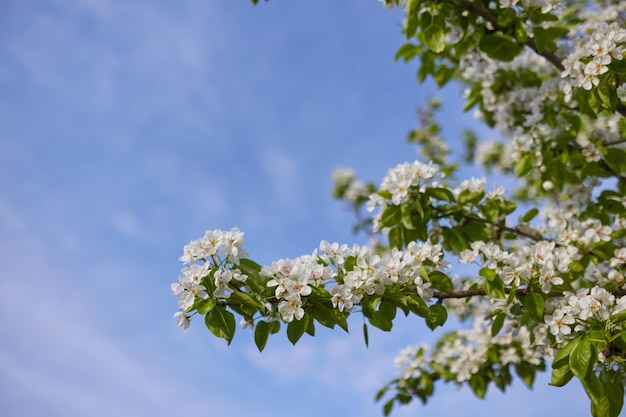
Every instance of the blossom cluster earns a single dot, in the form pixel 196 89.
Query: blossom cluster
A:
pixel 574 313
pixel 541 261
pixel 402 183
pixel 347 186
pixel 202 257
pixel 464 353
pixel 598 44
pixel 349 274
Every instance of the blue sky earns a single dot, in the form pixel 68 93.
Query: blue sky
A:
pixel 128 128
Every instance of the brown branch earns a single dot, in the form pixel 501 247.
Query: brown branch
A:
pixel 506 228
pixel 442 295
pixel 614 143
pixel 601 163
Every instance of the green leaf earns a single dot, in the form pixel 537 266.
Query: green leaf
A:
pixel 454 240
pixel 440 281
pixel 221 323
pixel 251 269
pixel 562 356
pixel 521 33
pixel 616 160
pixel 582 359
pixel 324 315
pixel 613 397
pixel 506 17
pixel 369 305
pixel 387 309
pixel 261 334
pixel 488 273
pixel 383 317
pixel 470 197
pixel 381 393
pixel 478 383
pixel 495 288
pixel 380 321
pixel 561 376
pixel 497 324
pixel 618 317
pixel 296 328
pixel 440 194
pixel 435 38
pixel 524 165
pixel 407 216
pixel 395 237
pixel 391 216
pixel 366 336
pixel 386 194
pixel 499 47
pixel 247 303
pixel 607 96
pixel 534 304
pixel 388 406
pixel 407 52
pixel 437 316
pixel 310 329
pixel 530 214
pixel 526 372
pixel 274 326
pixel 205 306
pixel 417 305
pixel 561 371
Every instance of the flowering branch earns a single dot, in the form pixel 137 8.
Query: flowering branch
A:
pixel 555 296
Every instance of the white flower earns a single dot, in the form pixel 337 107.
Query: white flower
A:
pixel 548 278
pixel 559 324
pixel 341 297
pixel 335 253
pixel 291 307
pixel 182 320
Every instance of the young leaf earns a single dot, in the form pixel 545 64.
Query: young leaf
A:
pixel 437 316
pixel 530 214
pixel 435 38
pixel 497 324
pixel 296 328
pixel 561 376
pixel 478 383
pixel 499 47
pixel 440 281
pixel 221 323
pixel 534 304
pixel 440 194
pixel 205 306
pixel 261 334
pixel 582 359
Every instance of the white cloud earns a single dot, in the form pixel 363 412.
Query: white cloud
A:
pixel 283 174
pixel 127 224
pixel 58 358
pixel 113 54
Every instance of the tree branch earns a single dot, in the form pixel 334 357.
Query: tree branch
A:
pixel 505 228
pixel 548 55
pixel 442 295
pixel 601 163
